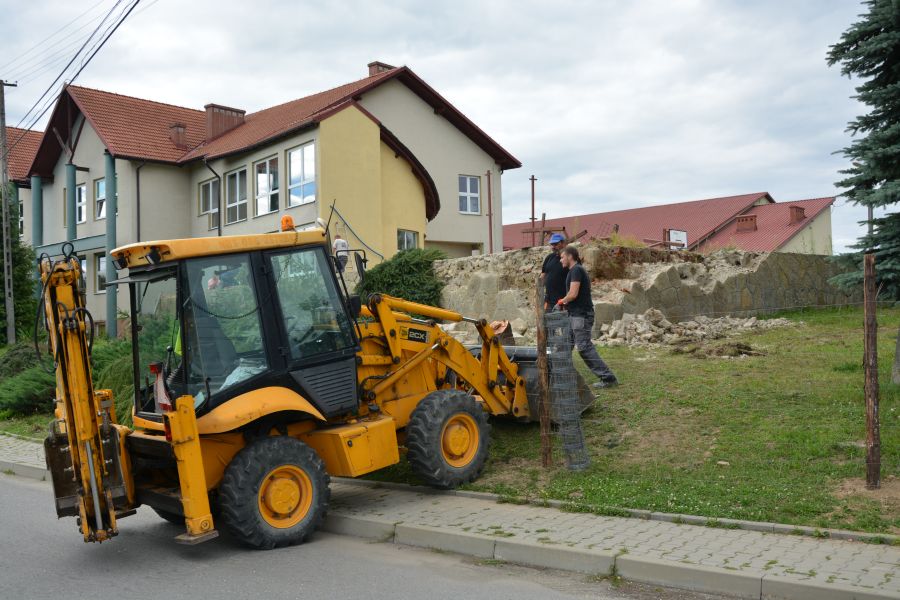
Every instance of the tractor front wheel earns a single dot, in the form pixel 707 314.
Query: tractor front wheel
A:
pixel 274 493
pixel 447 439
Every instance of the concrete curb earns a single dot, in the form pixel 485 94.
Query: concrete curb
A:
pixel 783 588
pixel 687 576
pixel 24 470
pixel 834 534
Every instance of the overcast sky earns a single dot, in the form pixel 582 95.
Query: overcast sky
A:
pixel 610 104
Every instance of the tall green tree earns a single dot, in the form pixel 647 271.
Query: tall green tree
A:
pixel 870 51
pixel 23 280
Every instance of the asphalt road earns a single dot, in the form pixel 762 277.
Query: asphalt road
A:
pixel 42 557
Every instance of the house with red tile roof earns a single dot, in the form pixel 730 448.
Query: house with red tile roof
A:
pixel 753 222
pixel 383 159
pixel 22 144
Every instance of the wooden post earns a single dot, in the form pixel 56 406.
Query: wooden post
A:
pixel 870 361
pixel 543 375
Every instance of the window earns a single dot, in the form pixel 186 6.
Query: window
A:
pixel 407 239
pixel 100 199
pixel 469 199
pixel 21 218
pixel 100 274
pixel 209 202
pixel 313 312
pixel 302 175
pixel 267 186
pixel 81 203
pixel 236 197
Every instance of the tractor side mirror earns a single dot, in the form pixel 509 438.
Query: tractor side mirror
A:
pixel 355 304
pixel 360 263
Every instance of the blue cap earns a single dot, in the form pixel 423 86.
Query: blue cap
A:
pixel 556 238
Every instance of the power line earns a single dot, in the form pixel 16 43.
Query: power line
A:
pixel 40 44
pixel 108 33
pixel 66 68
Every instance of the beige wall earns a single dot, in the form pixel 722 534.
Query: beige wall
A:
pixel 445 153
pixel 815 238
pixel 374 190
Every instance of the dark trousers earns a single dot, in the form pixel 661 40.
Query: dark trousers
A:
pixel 581 332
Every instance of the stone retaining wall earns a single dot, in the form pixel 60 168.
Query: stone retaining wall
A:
pixel 502 286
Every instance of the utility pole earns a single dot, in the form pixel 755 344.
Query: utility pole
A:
pixel 7 241
pixel 870 363
pixel 533 218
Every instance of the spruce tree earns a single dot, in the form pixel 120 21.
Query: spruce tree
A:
pixel 870 51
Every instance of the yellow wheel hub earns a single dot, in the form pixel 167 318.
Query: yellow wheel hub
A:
pixel 285 496
pixel 459 440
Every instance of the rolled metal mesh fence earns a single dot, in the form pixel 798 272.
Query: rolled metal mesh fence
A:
pixel 565 404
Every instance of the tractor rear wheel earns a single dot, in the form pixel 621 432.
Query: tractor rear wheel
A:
pixel 274 493
pixel 447 439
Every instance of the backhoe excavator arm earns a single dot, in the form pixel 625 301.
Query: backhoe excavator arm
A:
pixel 502 397
pixel 85 449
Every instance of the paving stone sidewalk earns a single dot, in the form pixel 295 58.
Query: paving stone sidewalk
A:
pixel 748 564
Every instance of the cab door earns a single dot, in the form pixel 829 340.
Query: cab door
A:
pixel 318 338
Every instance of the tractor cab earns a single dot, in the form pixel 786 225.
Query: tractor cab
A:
pixel 220 317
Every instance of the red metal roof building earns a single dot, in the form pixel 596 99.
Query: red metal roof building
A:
pixel 753 222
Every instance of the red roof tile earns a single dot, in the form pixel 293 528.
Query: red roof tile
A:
pixel 270 123
pixel 23 144
pixel 773 226
pixel 699 218
pixel 136 128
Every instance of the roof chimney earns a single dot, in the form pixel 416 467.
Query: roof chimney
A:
pixel 798 213
pixel 746 223
pixel 178 136
pixel 220 119
pixel 379 67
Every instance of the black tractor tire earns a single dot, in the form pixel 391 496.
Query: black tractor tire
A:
pixel 170 517
pixel 442 420
pixel 271 473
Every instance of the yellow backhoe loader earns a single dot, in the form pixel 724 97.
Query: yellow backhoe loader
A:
pixel 257 376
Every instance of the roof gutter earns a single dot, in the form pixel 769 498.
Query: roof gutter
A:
pixel 219 199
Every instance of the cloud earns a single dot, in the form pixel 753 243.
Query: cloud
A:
pixel 611 105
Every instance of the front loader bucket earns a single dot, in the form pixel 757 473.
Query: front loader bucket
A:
pixel 526 358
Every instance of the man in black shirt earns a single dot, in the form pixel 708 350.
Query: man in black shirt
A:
pixel 581 315
pixel 553 273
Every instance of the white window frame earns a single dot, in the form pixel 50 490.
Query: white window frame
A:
pixel 274 187
pixel 305 178
pixel 21 217
pixel 469 195
pixel 211 211
pixel 99 271
pixel 405 237
pixel 234 179
pixel 98 199
pixel 80 203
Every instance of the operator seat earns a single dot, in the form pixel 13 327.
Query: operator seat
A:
pixel 216 353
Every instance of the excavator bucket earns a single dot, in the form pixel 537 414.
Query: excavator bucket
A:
pixel 526 359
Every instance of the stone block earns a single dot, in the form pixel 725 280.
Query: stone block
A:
pixel 363 527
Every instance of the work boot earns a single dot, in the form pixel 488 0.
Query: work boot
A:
pixel 603 384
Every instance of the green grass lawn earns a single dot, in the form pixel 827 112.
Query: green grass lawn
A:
pixel 789 424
